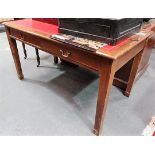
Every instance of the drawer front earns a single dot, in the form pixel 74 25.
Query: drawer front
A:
pixel 64 51
pixel 71 54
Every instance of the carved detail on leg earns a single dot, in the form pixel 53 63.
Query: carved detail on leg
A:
pixel 56 60
pixel 38 58
pixel 24 50
pixel 105 83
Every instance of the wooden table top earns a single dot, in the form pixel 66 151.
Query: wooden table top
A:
pixel 45 30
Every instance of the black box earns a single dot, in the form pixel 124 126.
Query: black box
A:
pixel 100 29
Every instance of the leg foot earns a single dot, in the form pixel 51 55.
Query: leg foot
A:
pixel 95 132
pixel 21 77
pixel 127 94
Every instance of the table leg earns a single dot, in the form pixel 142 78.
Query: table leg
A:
pixel 105 83
pixel 14 50
pixel 133 73
pixel 55 59
pixel 24 49
pixel 38 58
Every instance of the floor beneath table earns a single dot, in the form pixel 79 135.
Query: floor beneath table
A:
pixel 61 100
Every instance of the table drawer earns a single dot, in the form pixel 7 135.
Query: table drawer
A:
pixel 72 54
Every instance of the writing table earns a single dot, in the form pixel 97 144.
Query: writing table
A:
pixel 106 61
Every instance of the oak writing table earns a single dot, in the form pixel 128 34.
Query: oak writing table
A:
pixel 106 61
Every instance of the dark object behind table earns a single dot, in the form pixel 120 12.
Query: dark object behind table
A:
pixel 100 29
pixel 146 19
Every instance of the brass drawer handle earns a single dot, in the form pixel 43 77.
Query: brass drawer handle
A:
pixel 65 54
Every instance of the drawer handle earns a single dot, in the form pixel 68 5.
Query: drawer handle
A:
pixel 65 54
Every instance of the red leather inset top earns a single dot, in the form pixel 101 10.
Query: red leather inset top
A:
pixel 35 25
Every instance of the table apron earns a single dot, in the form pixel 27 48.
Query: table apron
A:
pixel 82 58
